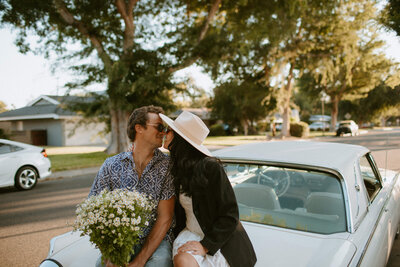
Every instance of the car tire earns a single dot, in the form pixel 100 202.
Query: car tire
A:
pixel 26 178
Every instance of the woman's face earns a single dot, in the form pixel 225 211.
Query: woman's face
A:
pixel 168 139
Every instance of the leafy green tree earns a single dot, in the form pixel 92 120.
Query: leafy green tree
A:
pixel 350 65
pixel 189 94
pixel 3 106
pixel 268 39
pixel 133 46
pixel 242 103
pixel 381 102
pixel 391 16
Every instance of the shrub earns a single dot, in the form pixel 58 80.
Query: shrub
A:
pixel 299 129
pixel 217 130
pixel 3 134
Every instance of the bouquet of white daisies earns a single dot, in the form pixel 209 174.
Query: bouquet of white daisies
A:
pixel 113 220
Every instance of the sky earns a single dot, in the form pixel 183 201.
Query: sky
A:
pixel 24 77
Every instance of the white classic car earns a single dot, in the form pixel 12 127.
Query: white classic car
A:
pixel 302 204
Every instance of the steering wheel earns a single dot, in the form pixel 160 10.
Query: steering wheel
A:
pixel 279 181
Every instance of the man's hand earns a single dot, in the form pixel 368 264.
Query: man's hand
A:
pixel 136 263
pixel 194 246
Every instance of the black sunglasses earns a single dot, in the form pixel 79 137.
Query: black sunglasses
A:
pixel 159 127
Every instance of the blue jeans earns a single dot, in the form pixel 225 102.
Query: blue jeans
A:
pixel 161 257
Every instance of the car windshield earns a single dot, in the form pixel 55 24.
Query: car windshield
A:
pixel 298 199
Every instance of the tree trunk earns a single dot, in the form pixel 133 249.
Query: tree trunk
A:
pixel 286 104
pixel 119 137
pixel 383 120
pixel 286 121
pixel 335 110
pixel 245 126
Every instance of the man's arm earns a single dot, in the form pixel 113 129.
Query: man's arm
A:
pixel 165 213
pixel 102 180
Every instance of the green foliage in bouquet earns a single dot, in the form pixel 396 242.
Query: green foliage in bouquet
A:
pixel 114 222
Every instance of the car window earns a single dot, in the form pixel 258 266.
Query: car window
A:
pixel 370 176
pixel 7 148
pixel 298 199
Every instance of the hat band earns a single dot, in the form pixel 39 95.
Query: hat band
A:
pixel 188 134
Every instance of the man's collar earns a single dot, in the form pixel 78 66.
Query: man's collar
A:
pixel 128 155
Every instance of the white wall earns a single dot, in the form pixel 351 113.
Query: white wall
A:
pixel 78 133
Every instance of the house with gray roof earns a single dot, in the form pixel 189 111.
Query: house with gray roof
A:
pixel 46 120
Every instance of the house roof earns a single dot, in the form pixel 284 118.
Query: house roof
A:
pixel 43 107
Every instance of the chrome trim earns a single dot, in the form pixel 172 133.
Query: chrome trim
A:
pixel 282 164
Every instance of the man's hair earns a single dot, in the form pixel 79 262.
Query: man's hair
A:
pixel 140 116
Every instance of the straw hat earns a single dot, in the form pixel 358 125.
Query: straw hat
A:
pixel 191 128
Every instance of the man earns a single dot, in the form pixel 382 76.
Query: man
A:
pixel 145 169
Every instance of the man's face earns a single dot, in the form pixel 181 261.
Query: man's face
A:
pixel 151 134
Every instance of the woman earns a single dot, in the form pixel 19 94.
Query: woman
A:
pixel 207 217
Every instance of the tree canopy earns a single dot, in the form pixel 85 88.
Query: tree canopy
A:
pixel 133 46
pixel 391 16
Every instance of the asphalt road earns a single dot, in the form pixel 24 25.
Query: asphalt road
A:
pixel 28 220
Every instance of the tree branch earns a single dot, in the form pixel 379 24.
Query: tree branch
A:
pixel 70 20
pixel 211 14
pixel 126 12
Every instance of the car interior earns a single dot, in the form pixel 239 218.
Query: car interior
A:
pixel 299 199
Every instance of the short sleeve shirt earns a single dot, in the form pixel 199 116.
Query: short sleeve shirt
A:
pixel 118 172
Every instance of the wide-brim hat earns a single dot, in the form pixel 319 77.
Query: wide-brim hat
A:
pixel 191 128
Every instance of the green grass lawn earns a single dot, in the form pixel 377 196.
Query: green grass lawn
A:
pixel 76 161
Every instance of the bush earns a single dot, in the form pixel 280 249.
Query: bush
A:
pixel 299 129
pixel 3 134
pixel 217 130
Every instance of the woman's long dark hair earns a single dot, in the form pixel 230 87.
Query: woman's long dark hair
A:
pixel 188 166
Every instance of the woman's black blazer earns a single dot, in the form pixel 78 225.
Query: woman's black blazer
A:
pixel 216 210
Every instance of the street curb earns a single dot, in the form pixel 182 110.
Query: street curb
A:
pixel 71 173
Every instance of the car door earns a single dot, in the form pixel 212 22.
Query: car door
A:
pixel 9 161
pixel 376 249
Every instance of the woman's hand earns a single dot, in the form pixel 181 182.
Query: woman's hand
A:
pixel 194 246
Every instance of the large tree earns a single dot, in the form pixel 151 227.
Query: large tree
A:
pixel 269 39
pixel 242 102
pixel 134 46
pixel 350 64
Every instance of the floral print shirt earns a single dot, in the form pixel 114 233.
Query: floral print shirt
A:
pixel 156 181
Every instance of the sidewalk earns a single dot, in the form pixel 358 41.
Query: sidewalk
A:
pixel 72 173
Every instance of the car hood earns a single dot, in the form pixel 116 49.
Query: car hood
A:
pixel 72 250
pixel 282 247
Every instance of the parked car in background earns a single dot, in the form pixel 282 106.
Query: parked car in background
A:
pixel 347 127
pixel 302 204
pixel 319 126
pixel 21 165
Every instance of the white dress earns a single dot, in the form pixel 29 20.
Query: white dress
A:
pixel 193 232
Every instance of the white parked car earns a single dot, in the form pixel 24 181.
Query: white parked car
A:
pixel 347 127
pixel 21 165
pixel 302 204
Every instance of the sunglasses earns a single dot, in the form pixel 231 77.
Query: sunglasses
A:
pixel 160 127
